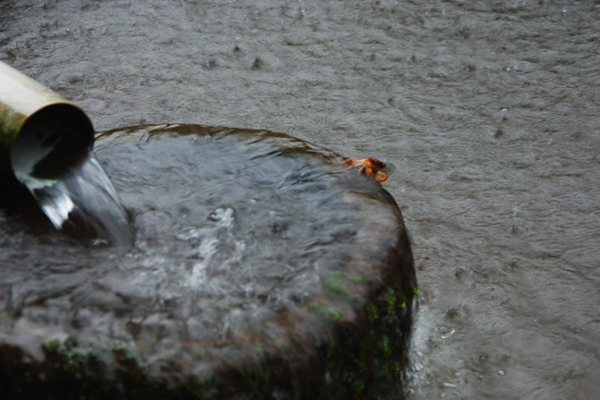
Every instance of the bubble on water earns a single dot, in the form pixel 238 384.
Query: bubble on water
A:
pixel 222 216
pixel 447 335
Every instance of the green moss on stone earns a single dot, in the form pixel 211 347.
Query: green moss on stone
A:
pixel 369 361
pixel 334 283
pixel 326 313
pixel 51 347
pixel 372 313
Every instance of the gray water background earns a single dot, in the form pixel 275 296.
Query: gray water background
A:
pixel 486 111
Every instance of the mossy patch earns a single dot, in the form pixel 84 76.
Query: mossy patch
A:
pixel 335 282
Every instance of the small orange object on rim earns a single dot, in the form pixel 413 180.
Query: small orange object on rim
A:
pixel 371 167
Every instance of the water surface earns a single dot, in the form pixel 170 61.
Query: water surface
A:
pixel 233 230
pixel 488 111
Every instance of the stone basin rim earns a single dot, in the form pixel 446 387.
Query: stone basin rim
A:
pixel 381 265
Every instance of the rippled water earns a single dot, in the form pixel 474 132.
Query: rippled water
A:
pixel 229 229
pixel 233 228
pixel 488 111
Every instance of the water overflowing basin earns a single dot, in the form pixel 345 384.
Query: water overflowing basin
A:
pixel 259 264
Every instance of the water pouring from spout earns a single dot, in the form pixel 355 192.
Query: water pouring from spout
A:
pixel 46 143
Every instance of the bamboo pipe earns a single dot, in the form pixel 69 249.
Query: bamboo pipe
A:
pixel 42 135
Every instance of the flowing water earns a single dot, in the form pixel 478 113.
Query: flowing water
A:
pixel 51 157
pixel 487 113
pixel 232 229
pixel 84 202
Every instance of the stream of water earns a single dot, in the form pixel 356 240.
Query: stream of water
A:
pixel 84 203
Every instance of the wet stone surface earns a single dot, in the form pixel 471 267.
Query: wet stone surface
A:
pixel 241 236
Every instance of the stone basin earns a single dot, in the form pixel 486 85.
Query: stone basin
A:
pixel 261 268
